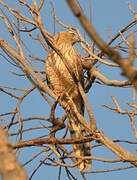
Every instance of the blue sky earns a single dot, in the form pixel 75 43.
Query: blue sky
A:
pixel 106 15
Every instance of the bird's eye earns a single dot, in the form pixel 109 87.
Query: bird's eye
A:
pixel 72 33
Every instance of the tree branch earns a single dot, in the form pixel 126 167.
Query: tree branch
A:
pixel 129 71
pixel 10 169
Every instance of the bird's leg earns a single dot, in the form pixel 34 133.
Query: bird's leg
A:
pixel 66 95
pixel 67 106
pixel 57 98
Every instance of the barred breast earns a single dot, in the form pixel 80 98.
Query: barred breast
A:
pixel 58 76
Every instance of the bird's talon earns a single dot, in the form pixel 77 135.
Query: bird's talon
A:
pixel 57 98
pixel 67 108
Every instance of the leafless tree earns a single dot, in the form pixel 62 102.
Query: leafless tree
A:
pixel 49 133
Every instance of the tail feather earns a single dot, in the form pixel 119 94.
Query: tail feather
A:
pixel 77 130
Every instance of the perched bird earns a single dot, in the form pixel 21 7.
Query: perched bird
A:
pixel 60 81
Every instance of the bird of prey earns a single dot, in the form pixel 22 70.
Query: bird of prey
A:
pixel 60 81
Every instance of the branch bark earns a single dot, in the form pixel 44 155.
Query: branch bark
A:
pixel 10 169
pixel 128 70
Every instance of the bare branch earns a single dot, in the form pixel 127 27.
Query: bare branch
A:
pixel 129 71
pixel 10 168
pixel 108 82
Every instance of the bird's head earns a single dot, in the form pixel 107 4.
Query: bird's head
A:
pixel 67 37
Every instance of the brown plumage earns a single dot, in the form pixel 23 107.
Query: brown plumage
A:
pixel 60 80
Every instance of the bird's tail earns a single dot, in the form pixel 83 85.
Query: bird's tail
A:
pixel 77 130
